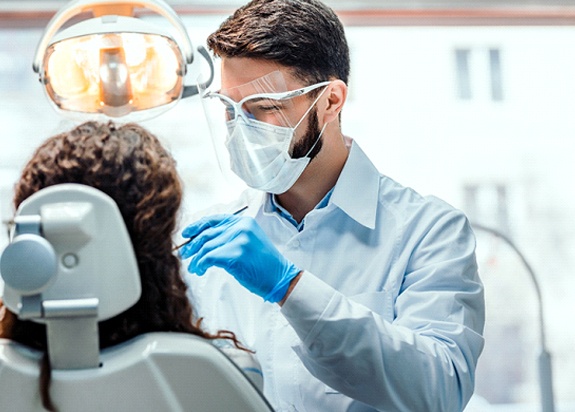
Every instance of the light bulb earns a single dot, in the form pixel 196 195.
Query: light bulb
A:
pixel 115 90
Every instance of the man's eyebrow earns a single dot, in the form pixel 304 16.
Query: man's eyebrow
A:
pixel 258 99
pixel 264 98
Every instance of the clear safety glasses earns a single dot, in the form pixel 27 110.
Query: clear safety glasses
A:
pixel 270 108
pixel 266 99
pixel 113 73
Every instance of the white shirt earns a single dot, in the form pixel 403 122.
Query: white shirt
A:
pixel 388 314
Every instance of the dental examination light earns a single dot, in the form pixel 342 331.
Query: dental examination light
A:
pixel 108 63
pixel 544 361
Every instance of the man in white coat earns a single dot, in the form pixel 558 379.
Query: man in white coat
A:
pixel 356 293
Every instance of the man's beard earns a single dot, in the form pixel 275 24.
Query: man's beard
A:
pixel 304 145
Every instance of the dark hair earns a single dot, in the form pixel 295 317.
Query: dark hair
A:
pixel 131 166
pixel 304 35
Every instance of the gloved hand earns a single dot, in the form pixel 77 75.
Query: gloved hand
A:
pixel 238 245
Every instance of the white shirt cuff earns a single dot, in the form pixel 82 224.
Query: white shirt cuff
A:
pixel 307 302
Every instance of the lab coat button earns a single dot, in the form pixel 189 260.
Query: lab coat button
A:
pixel 296 244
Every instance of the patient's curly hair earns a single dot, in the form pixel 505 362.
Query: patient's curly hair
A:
pixel 131 166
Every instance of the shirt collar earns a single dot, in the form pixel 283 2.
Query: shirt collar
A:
pixel 357 189
pixel 271 205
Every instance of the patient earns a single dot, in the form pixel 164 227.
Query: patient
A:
pixel 130 165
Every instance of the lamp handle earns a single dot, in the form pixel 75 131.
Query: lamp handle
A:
pixel 195 89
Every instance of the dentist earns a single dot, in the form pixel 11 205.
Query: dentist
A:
pixel 355 292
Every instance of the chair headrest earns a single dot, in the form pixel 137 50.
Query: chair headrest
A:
pixel 69 243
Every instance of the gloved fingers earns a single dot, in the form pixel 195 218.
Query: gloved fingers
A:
pixel 230 225
pixel 232 245
pixel 236 248
pixel 210 235
pixel 202 224
pixel 225 256
pixel 205 228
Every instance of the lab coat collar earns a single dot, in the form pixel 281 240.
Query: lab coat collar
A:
pixel 356 192
pixel 357 189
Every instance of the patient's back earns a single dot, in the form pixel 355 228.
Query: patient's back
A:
pixel 152 372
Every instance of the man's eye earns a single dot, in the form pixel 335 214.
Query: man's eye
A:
pixel 269 108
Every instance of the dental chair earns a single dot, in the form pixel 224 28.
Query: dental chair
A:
pixel 71 264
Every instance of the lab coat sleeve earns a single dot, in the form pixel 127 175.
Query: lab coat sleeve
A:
pixel 423 360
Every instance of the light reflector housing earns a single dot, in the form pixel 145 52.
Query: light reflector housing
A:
pixel 113 73
pixel 109 63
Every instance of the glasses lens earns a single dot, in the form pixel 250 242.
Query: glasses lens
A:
pixel 251 100
pixel 233 109
pixel 273 111
pixel 113 73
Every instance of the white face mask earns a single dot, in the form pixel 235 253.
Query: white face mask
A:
pixel 259 153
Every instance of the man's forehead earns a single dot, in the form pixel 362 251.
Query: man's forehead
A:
pixel 273 82
pixel 242 77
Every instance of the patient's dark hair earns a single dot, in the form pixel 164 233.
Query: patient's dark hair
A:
pixel 131 166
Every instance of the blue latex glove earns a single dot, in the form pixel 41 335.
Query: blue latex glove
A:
pixel 238 245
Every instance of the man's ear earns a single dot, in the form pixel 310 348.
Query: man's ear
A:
pixel 336 96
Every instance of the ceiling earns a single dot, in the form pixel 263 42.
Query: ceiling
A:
pixel 336 4
pixel 353 12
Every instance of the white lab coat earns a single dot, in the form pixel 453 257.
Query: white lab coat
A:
pixel 388 314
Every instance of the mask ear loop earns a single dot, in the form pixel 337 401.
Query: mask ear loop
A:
pixel 310 107
pixel 317 140
pixel 305 115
